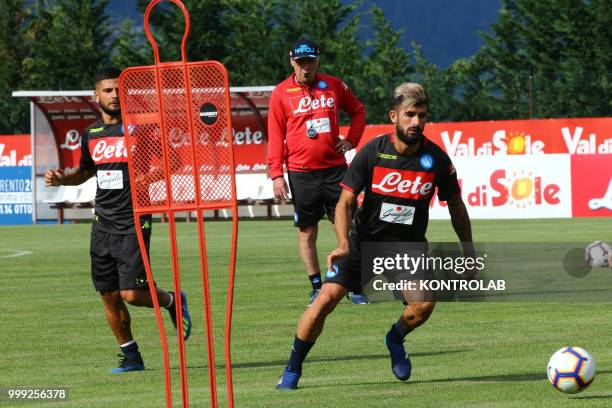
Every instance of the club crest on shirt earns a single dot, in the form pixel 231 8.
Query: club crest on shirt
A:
pixel 426 161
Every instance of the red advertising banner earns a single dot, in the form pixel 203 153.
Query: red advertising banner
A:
pixel 507 137
pixel 68 117
pixel 249 122
pixel 591 185
pixel 15 150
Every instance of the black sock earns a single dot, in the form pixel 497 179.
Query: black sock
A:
pixel 298 354
pixel 315 281
pixel 130 348
pixel 400 328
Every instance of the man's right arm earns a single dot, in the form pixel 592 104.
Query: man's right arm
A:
pixel 342 225
pixel 72 177
pixel 277 127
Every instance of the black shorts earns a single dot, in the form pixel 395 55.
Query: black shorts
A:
pixel 315 193
pixel 347 270
pixel 116 263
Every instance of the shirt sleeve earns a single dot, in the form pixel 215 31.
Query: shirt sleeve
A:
pixel 447 183
pixel 277 127
pixel 86 162
pixel 353 106
pixel 359 171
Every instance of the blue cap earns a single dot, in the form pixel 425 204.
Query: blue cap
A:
pixel 304 49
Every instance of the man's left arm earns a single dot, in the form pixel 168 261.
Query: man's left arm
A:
pixel 460 218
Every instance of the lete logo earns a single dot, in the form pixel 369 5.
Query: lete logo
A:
pixel 402 183
pixel 108 150
pixel 307 104
pixel 73 140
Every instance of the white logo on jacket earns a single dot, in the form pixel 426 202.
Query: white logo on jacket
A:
pixel 306 104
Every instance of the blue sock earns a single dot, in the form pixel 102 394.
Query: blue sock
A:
pixel 129 348
pixel 315 281
pixel 298 354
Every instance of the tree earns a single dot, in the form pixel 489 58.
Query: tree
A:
pixel 70 41
pixel 131 47
pixel 13 47
pixel 60 44
pixel 386 66
pixel 206 39
pixel 562 47
pixel 255 50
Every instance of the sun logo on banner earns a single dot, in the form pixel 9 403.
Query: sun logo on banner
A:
pixel 516 143
pixel 522 188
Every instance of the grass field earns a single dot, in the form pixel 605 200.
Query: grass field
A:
pixel 54 333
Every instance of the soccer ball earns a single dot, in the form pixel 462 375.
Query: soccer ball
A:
pixel 597 254
pixel 571 369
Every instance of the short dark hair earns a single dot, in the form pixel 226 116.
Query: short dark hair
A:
pixel 106 73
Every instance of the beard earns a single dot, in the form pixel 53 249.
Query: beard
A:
pixel 109 111
pixel 406 138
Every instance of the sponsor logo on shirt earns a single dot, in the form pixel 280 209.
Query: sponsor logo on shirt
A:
pixel 386 156
pixel 396 214
pixel 414 185
pixel 108 150
pixel 319 125
pixel 110 179
pixel 293 90
pixel 304 105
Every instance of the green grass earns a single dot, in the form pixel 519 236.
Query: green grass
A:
pixel 468 354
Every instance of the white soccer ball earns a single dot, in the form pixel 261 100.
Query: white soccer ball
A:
pixel 597 254
pixel 571 369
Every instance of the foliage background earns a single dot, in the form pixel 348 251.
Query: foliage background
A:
pixel 545 58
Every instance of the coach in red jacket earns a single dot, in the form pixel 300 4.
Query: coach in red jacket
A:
pixel 303 134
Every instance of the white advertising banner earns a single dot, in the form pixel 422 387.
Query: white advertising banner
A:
pixel 513 187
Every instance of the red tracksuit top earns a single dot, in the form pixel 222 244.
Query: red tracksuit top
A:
pixel 295 108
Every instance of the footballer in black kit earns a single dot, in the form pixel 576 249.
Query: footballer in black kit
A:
pixel 117 267
pixel 399 174
pixel 113 236
pixel 397 193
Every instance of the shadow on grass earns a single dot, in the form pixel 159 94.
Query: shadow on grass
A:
pixel 581 397
pixel 380 356
pixel 281 363
pixel 483 378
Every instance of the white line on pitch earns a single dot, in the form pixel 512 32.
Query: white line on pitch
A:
pixel 15 253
